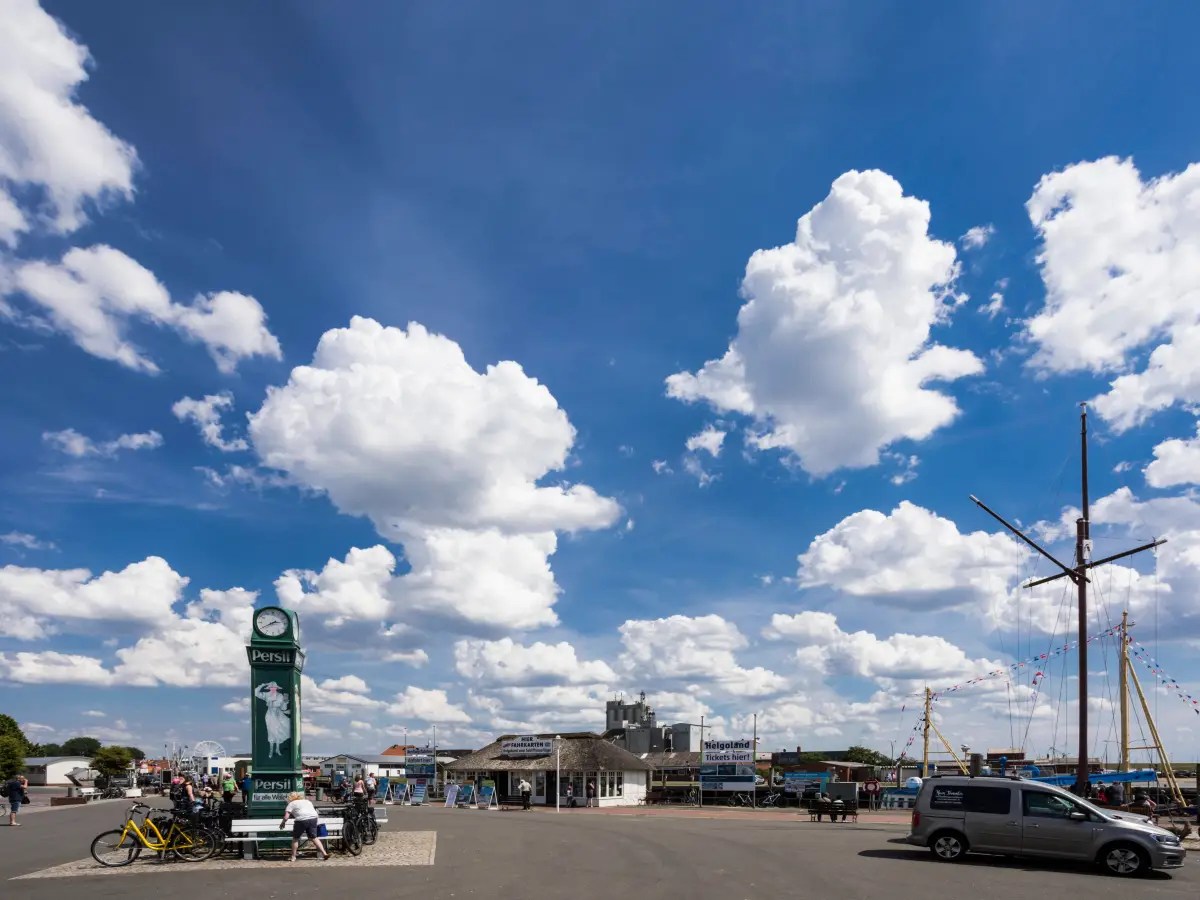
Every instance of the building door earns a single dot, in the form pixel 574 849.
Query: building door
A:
pixel 551 787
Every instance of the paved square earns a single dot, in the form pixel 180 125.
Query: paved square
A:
pixel 394 848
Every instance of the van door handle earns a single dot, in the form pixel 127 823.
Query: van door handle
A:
pixel 1012 824
pixel 1033 825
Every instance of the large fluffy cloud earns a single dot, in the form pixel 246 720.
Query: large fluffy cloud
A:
pixel 36 603
pixel 832 358
pixel 693 648
pixel 396 425
pixel 47 139
pixel 1121 262
pixel 911 556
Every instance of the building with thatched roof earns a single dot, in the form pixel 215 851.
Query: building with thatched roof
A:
pixel 559 766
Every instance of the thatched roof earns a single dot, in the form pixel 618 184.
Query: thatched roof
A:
pixel 581 752
pixel 678 759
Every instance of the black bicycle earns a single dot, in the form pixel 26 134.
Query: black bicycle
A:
pixel 363 817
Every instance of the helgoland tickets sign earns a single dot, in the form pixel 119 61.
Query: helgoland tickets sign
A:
pixel 740 750
pixel 527 746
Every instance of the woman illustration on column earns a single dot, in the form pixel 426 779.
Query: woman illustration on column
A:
pixel 276 718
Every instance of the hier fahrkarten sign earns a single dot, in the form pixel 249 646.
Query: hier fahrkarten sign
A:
pixel 738 750
pixel 527 746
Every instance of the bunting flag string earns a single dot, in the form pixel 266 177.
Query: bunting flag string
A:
pixel 1035 662
pixel 1140 653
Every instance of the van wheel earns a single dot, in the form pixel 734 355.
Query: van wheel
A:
pixel 1124 860
pixel 948 846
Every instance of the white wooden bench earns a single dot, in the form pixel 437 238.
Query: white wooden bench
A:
pixel 248 832
pixel 87 793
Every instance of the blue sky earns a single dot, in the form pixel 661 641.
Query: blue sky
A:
pixel 582 196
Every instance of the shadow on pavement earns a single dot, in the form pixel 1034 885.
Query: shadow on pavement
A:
pixel 923 856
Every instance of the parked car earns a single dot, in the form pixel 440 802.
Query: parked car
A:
pixel 958 814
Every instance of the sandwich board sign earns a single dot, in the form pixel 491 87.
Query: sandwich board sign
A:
pixel 451 795
pixel 417 796
pixel 466 795
pixel 487 796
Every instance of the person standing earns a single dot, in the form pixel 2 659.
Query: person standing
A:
pixel 526 792
pixel 307 823
pixel 15 792
pixel 247 785
pixel 359 792
pixel 228 788
pixel 591 793
pixel 570 796
pixel 372 784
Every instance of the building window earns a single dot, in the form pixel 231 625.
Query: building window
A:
pixel 539 784
pixel 620 785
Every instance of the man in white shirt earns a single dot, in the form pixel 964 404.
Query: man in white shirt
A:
pixel 306 823
pixel 526 791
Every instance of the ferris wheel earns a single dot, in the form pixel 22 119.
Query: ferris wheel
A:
pixel 204 751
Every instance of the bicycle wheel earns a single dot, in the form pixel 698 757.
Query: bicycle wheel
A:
pixel 351 839
pixel 193 844
pixel 370 832
pixel 115 848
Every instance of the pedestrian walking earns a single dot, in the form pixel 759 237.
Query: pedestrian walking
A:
pixel 526 792
pixel 14 790
pixel 228 788
pixel 570 796
pixel 372 785
pixel 307 823
pixel 591 793
pixel 247 786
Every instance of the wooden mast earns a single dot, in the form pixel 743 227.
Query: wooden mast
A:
pixel 1123 680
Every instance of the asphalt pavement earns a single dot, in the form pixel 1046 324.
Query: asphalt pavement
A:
pixel 583 854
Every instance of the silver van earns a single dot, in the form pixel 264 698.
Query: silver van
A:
pixel 957 814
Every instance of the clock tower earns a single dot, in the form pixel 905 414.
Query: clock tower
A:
pixel 276 662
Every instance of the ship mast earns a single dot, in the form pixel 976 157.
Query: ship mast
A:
pixel 1078 575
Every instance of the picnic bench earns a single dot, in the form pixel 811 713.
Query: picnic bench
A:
pixel 819 808
pixel 249 832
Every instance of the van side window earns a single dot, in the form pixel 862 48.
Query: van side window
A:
pixel 1042 805
pixel 971 798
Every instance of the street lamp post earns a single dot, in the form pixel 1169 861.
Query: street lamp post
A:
pixel 557 772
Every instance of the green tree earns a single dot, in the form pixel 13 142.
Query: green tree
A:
pixel 860 754
pixel 112 761
pixel 10 728
pixel 46 750
pixel 81 746
pixel 12 756
pixel 136 754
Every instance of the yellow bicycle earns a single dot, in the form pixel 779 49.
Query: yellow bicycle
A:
pixel 181 839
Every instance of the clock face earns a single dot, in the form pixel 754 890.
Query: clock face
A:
pixel 272 622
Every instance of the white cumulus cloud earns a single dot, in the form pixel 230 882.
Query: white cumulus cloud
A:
pixel 428 705
pixel 92 296
pixel 833 359
pixel 977 236
pixel 911 556
pixel 1120 260
pixel 47 139
pixel 1175 462
pixel 397 426
pixel 507 662
pixel 693 647
pixel 205 413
